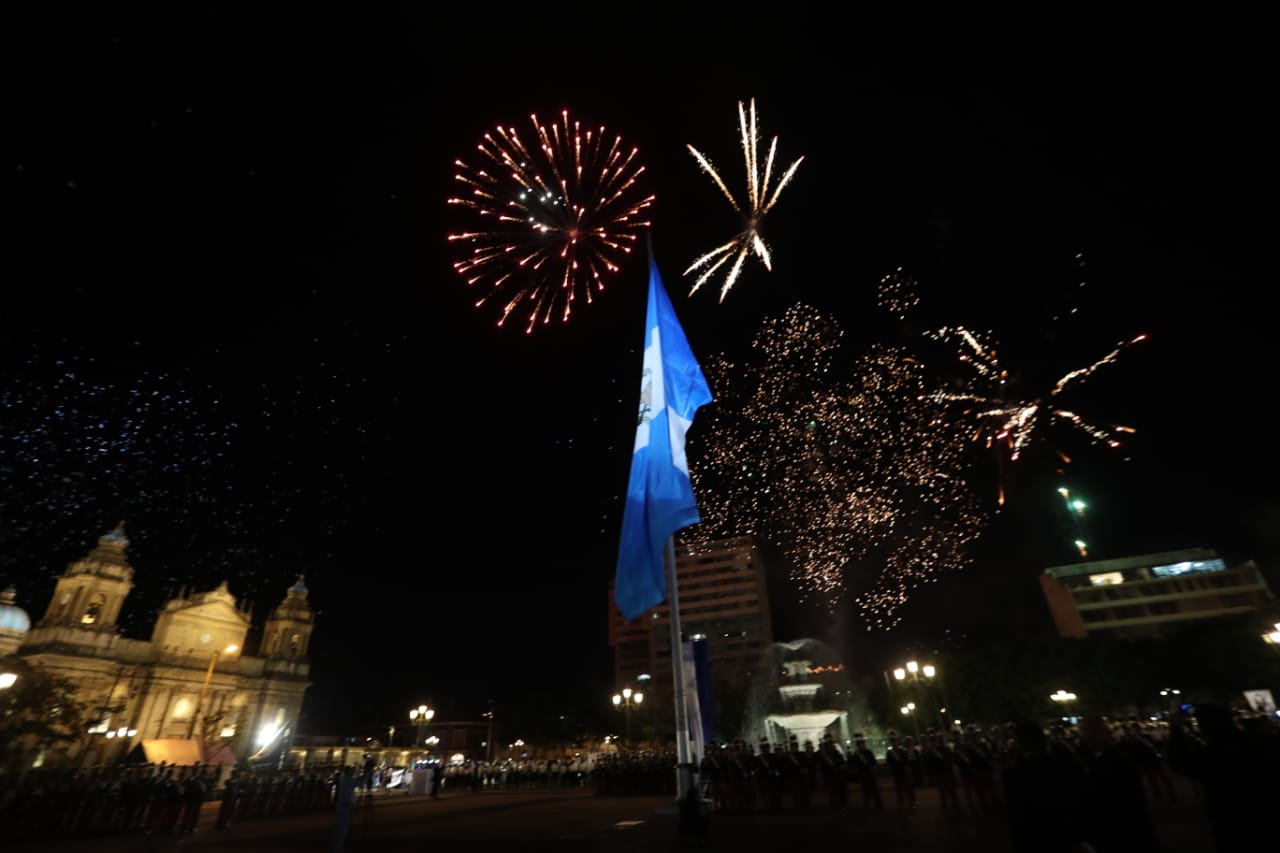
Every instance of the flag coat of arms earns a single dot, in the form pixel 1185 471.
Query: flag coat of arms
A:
pixel 660 498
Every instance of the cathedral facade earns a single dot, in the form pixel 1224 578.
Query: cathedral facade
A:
pixel 194 691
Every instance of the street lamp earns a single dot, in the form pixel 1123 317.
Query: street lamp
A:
pixel 208 676
pixel 8 679
pixel 420 716
pixel 913 673
pixel 626 700
pixel 909 710
pixel 488 744
pixel 1063 697
pixel 1273 637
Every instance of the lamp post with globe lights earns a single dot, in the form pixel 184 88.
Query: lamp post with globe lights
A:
pixel 419 717
pixel 1065 698
pixel 625 701
pixel 1172 697
pixel 909 710
pixel 921 678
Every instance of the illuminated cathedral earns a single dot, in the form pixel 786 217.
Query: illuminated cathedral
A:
pixel 193 692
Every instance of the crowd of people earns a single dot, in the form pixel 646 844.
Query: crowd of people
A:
pixel 138 799
pixel 1087 786
pixel 1057 786
pixel 1091 785
pixel 166 799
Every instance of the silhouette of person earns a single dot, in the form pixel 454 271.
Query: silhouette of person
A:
pixel 1042 795
pixel 345 803
pixel 1114 804
pixel 1236 771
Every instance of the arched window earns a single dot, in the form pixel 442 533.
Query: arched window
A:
pixel 94 610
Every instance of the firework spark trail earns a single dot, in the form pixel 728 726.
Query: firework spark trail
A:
pixel 1014 423
pixel 760 200
pixel 556 219
pixel 861 482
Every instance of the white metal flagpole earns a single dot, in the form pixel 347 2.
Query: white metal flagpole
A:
pixel 684 761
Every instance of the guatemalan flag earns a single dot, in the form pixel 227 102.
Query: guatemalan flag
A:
pixel 659 494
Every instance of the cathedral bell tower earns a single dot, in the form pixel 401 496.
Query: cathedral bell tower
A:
pixel 287 633
pixel 91 592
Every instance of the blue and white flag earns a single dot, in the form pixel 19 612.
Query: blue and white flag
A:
pixel 659 493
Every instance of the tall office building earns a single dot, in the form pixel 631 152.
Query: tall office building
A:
pixel 723 596
pixel 1143 596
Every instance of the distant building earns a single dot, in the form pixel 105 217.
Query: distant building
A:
pixel 1143 596
pixel 723 596
pixel 193 680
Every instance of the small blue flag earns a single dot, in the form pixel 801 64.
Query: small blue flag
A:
pixel 659 493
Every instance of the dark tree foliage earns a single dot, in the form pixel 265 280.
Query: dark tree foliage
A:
pixel 40 709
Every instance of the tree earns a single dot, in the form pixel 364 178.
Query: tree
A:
pixel 39 711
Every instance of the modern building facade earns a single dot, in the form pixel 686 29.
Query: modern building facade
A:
pixel 1144 596
pixel 194 680
pixel 723 596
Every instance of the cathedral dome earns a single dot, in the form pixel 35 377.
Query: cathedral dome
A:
pixel 13 619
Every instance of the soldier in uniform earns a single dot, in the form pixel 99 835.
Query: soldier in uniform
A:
pixel 713 776
pixel 899 759
pixel 193 791
pixel 796 776
pixel 231 790
pixel 171 803
pixel 831 764
pixel 742 778
pixel 865 768
pixel 941 771
pixel 767 773
pixel 981 778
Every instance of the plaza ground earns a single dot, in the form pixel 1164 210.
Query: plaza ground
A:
pixel 580 821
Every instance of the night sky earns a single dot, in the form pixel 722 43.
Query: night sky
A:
pixel 230 316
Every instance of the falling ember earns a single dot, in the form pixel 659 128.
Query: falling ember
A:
pixel 898 293
pixel 760 199
pixel 552 220
pixel 861 482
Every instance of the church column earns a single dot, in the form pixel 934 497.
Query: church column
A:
pixel 162 702
pixel 114 605
pixel 74 608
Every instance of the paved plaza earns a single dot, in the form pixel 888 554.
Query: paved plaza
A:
pixel 579 820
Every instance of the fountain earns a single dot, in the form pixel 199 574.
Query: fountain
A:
pixel 801 689
pixel 799 720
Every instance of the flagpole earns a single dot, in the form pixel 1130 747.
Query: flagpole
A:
pixel 684 761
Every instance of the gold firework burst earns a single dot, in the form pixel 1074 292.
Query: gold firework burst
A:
pixel 760 200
